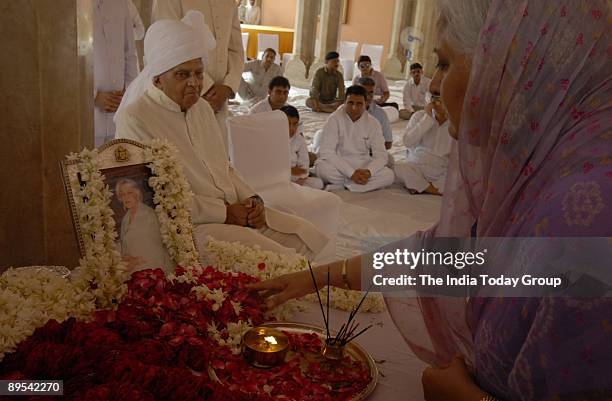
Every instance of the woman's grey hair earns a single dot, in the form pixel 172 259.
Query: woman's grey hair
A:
pixel 461 22
pixel 129 182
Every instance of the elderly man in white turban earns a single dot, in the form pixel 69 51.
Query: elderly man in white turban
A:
pixel 225 61
pixel 164 102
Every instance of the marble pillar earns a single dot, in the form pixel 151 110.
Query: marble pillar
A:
pixel 329 34
pixel 426 18
pixel 403 17
pixel 47 83
pixel 303 43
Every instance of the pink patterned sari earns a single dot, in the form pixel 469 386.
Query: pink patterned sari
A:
pixel 533 159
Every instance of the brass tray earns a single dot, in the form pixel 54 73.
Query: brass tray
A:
pixel 353 349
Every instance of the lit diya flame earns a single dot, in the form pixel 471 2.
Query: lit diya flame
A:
pixel 271 340
pixel 264 347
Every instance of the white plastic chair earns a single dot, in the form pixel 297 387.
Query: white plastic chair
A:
pixel 347 51
pixel 260 152
pixel 266 40
pixel 375 52
pixel 245 43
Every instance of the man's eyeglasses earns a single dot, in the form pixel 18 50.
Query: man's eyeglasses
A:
pixel 364 65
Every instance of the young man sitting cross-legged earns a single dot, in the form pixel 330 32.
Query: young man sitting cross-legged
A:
pixel 352 151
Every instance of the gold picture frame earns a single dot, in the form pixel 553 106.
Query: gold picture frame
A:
pixel 123 165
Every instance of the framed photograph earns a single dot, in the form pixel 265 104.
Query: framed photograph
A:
pixel 124 170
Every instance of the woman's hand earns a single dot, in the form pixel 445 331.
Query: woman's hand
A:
pixel 281 289
pixel 452 382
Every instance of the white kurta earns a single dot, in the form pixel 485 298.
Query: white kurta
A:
pixel 137 25
pixel 205 163
pixel 252 15
pixel 298 157
pixel 262 106
pixel 429 145
pixel 226 61
pixel 257 86
pixel 416 94
pixel 114 58
pixel 141 237
pixel 346 146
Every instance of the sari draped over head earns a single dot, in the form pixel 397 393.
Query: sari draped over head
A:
pixel 533 159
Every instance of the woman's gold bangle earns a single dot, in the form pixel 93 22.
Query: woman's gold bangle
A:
pixel 345 276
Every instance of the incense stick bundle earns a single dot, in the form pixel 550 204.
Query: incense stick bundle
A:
pixel 347 330
pixel 314 281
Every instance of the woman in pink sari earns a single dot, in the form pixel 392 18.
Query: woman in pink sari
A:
pixel 527 88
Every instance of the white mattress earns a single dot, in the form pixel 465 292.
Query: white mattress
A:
pixel 372 219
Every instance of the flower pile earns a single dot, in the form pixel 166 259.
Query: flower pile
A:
pixel 29 297
pixel 234 256
pixel 172 338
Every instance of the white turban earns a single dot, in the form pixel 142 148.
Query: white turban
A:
pixel 167 44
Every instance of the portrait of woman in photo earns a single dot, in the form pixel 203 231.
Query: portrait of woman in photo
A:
pixel 140 237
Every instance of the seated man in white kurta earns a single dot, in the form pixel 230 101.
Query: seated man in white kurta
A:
pixel 164 102
pixel 415 92
pixel 429 144
pixel 352 152
pixel 278 93
pixel 262 71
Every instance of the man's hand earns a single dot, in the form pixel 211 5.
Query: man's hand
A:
pixel 256 217
pixel 236 214
pixel 383 99
pixel 361 176
pixel 217 95
pixel 108 101
pixel 298 171
pixel 452 382
pixel 301 181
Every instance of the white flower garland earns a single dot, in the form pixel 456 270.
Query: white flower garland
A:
pixel 236 257
pixel 172 197
pixel 101 269
pixel 29 297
